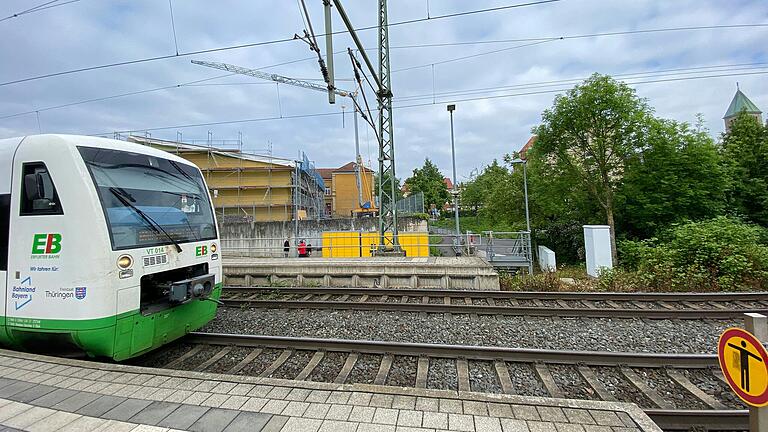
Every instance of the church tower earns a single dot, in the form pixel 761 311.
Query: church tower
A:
pixel 741 103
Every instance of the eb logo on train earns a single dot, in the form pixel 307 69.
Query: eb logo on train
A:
pixel 743 362
pixel 46 244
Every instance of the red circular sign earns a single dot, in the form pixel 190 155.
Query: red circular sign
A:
pixel 723 343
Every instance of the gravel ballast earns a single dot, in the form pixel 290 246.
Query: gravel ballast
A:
pixel 442 374
pixel 482 377
pixel 403 371
pixel 524 380
pixel 588 334
pixel 365 370
pixel 568 379
pixel 329 367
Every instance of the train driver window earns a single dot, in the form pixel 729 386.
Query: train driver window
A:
pixel 38 193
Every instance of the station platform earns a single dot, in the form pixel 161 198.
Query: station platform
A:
pixel 40 394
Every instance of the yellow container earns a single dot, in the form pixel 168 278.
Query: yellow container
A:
pixel 354 244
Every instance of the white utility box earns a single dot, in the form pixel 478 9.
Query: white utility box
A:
pixel 597 248
pixel 547 261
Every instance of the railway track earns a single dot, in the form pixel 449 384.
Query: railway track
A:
pixel 675 390
pixel 566 304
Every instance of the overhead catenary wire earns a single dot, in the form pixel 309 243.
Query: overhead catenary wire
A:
pixel 418 105
pixel 173 27
pixel 206 82
pixel 633 75
pixel 277 41
pixel 314 47
pixel 38 8
pixel 99 99
pixel 357 68
pixel 261 43
pixel 560 90
pixel 451 60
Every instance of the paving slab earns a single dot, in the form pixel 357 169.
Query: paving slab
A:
pixel 159 400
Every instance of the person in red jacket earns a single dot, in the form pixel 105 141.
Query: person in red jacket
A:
pixel 302 248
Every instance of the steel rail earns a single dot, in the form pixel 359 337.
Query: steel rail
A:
pixel 711 313
pixel 520 295
pixel 590 358
pixel 667 419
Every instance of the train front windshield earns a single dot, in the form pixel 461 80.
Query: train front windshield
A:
pixel 149 201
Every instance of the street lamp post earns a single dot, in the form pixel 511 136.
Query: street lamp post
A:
pixel 527 214
pixel 455 191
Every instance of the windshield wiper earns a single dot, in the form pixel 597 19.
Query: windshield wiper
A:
pixel 184 173
pixel 118 193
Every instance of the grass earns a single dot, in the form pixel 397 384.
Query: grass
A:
pixel 610 281
pixel 615 280
pixel 475 224
pixel 434 250
pixel 435 239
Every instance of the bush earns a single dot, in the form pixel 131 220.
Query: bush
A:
pixel 537 282
pixel 615 280
pixel 720 254
pixel 565 238
pixel 420 216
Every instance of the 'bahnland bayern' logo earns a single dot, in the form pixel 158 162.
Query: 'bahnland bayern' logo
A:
pixel 46 244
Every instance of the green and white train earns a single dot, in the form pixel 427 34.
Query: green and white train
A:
pixel 106 247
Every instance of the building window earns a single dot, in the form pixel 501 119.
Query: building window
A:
pixel 328 191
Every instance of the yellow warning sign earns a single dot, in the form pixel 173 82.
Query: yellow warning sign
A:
pixel 743 361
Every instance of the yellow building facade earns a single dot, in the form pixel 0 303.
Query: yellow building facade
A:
pixel 341 194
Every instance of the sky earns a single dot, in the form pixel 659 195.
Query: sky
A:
pixel 501 68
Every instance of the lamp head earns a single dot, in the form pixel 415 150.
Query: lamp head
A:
pixel 451 107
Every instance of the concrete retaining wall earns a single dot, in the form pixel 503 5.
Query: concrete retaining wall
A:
pixel 434 272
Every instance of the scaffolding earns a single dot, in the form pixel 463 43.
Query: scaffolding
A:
pixel 249 186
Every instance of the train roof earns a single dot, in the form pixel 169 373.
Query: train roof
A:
pixel 9 146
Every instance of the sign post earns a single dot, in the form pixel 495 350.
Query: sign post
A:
pixel 757 324
pixel 744 363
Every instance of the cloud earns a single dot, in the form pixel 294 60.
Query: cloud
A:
pixel 93 32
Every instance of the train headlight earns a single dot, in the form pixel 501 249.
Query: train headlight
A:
pixel 214 248
pixel 125 262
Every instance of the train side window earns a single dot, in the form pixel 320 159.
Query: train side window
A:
pixel 5 220
pixel 38 193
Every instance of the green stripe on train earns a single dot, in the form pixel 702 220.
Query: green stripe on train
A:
pixel 120 337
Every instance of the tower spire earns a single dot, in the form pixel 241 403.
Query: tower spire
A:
pixel 739 104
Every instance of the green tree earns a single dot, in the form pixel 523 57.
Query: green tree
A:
pixel 677 176
pixel 504 203
pixel 429 180
pixel 745 154
pixel 589 133
pixel 475 193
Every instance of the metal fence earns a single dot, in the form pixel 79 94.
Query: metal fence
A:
pixel 346 245
pixel 509 250
pixel 411 204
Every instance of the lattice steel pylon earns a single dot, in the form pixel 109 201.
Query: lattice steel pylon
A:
pixel 387 204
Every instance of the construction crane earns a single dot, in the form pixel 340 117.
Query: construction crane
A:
pixel 364 208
